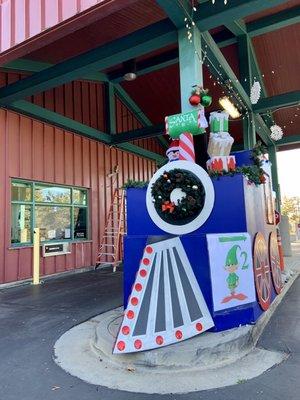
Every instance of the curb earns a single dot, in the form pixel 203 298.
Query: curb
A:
pixel 75 353
pixel 261 323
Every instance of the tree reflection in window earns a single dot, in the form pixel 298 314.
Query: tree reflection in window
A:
pixel 55 194
pixel 54 222
pixel 60 212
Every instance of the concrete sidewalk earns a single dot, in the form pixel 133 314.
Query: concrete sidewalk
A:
pixel 33 318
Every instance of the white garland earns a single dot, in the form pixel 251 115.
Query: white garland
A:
pixel 255 92
pixel 276 132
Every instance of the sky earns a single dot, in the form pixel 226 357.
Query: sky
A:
pixel 288 163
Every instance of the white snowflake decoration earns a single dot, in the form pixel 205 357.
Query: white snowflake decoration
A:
pixel 255 92
pixel 276 132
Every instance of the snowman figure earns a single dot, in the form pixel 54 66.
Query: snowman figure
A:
pixel 173 151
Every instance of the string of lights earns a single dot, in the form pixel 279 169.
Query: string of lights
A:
pixel 220 80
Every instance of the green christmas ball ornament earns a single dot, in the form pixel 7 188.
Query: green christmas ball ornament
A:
pixel 206 100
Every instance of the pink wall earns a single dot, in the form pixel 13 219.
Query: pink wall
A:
pixel 37 151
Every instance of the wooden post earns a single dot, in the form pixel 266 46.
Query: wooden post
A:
pixel 246 78
pixel 110 108
pixel 276 187
pixel 191 73
pixel 36 256
pixel 190 65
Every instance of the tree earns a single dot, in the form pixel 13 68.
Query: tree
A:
pixel 290 207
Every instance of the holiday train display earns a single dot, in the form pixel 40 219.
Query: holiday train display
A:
pixel 178 287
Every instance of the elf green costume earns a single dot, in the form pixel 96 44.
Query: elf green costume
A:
pixel 231 266
pixel 232 280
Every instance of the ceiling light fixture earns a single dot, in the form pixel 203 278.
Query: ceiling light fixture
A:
pixel 229 107
pixel 129 70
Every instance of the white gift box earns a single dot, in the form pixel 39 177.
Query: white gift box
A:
pixel 219 144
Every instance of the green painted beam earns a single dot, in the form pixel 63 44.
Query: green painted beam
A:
pixel 131 105
pixel 147 66
pixel 176 10
pixel 62 122
pixel 237 28
pixel 110 109
pixel 31 66
pixel 96 77
pixel 245 67
pixel 190 66
pixel 274 169
pixel 142 133
pixel 138 113
pixel 264 25
pixel 50 117
pixel 249 72
pixel 274 22
pixel 135 44
pixel 212 15
pixel 262 130
pixel 256 75
pixel 288 140
pixel 215 55
pixel 224 42
pixel 223 39
pixel 25 65
pixel 278 101
pixel 132 148
pixel 209 16
pixel 261 26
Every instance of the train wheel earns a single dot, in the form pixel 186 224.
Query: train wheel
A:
pixel 274 259
pixel 262 271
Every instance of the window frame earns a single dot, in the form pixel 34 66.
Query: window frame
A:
pixel 34 203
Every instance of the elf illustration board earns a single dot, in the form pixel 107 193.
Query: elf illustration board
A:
pixel 231 270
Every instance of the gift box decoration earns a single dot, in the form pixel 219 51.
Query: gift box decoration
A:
pixel 193 122
pixel 218 121
pixel 221 163
pixel 219 144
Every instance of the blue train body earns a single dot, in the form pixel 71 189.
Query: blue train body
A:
pixel 239 207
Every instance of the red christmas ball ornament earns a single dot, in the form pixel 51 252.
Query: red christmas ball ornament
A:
pixel 195 100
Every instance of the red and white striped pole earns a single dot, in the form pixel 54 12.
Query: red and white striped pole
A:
pixel 186 147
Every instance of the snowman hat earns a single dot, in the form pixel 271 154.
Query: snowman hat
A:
pixel 174 146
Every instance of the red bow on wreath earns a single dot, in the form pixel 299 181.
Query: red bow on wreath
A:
pixel 168 206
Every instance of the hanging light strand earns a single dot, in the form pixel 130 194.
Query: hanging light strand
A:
pixel 203 58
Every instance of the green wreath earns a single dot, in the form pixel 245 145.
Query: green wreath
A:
pixel 186 209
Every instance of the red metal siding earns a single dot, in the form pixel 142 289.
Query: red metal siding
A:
pixel 37 151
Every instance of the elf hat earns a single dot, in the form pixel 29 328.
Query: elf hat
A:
pixel 231 258
pixel 174 146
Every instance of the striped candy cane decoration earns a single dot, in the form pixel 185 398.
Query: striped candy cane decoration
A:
pixel 186 147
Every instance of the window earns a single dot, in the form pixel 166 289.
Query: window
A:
pixel 60 212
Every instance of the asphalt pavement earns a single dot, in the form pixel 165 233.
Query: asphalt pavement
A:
pixel 33 318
